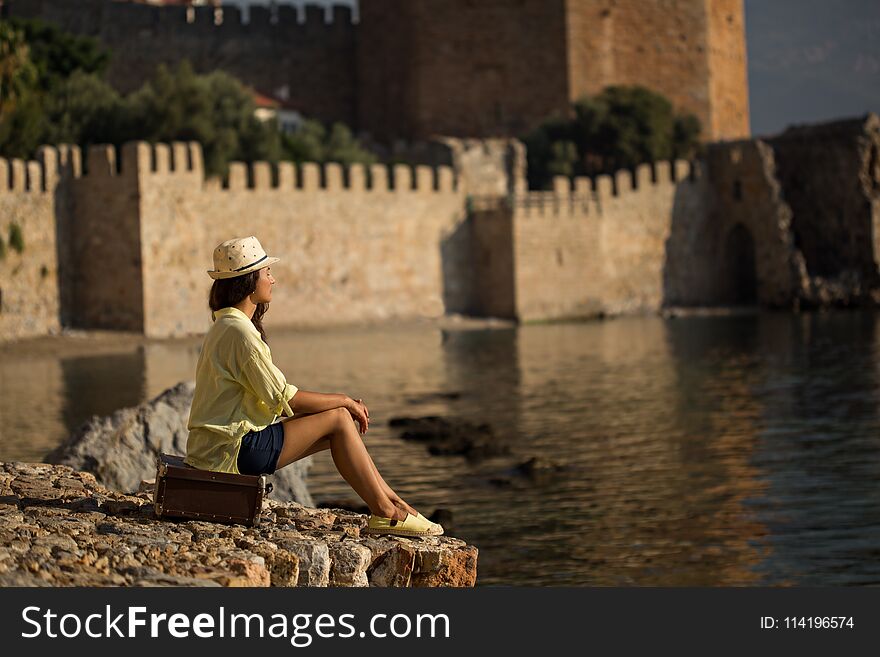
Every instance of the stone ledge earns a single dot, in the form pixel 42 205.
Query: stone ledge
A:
pixel 59 527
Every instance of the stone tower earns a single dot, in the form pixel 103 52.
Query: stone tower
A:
pixel 498 67
pixel 415 68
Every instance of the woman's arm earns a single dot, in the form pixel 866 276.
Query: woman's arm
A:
pixel 304 401
pixel 316 402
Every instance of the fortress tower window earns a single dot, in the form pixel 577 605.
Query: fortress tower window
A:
pixel 737 190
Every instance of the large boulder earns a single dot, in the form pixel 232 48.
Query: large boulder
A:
pixel 121 449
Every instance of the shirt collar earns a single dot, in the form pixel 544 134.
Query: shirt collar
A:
pixel 229 310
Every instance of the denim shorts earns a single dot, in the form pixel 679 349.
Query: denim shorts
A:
pixel 260 450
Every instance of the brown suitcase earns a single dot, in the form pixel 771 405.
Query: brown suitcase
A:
pixel 183 491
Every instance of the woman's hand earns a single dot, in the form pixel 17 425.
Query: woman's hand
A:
pixel 359 413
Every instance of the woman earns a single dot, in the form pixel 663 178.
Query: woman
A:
pixel 240 393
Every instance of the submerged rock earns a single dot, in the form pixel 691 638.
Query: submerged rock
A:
pixel 121 449
pixel 536 470
pixel 539 469
pixel 451 436
pixel 60 527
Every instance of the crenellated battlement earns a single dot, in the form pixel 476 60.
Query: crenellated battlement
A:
pixel 42 175
pixel 334 177
pixel 227 19
pixel 185 161
pixel 142 158
pixel 582 196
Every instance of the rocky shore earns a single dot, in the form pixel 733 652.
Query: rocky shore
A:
pixel 60 527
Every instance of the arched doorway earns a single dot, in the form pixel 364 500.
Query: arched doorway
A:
pixel 741 280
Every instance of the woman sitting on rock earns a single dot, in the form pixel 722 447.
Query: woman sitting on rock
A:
pixel 240 394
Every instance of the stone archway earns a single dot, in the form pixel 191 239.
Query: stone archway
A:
pixel 738 268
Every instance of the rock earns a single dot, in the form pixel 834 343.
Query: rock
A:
pixel 120 450
pixel 68 530
pixel 349 563
pixel 349 504
pixel 444 567
pixel 433 396
pixel 145 576
pixel 534 471
pixel 538 469
pixel 394 567
pixel 314 561
pixel 283 565
pixel 447 437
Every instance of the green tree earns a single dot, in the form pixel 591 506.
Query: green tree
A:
pixel 84 109
pixel 36 59
pixel 56 54
pixel 214 109
pixel 312 142
pixel 17 72
pixel 617 129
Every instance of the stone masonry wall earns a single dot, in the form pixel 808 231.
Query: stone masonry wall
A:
pixel 830 174
pixel 416 68
pixel 29 298
pixel 365 246
pixel 105 243
pixel 747 200
pixel 601 248
pixel 126 243
pixel 728 71
pixel 692 51
pixel 460 67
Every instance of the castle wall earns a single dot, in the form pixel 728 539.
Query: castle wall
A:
pixel 556 251
pixel 728 71
pixel 746 193
pixel 692 51
pixel 104 248
pixel 29 298
pixel 493 290
pixel 357 248
pixel 599 247
pixel 830 176
pixel 456 67
pixel 417 68
pixel 637 215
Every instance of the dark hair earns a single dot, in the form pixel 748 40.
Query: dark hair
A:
pixel 226 292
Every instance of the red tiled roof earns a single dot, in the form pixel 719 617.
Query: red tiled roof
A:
pixel 265 101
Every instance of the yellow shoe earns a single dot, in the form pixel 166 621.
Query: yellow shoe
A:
pixel 411 526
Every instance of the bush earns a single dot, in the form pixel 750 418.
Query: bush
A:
pixel 620 128
pixel 313 143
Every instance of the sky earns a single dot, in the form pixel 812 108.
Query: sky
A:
pixel 809 60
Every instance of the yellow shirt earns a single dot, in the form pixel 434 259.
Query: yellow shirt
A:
pixel 238 389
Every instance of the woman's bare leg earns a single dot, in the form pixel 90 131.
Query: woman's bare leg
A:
pixel 303 435
pixel 324 443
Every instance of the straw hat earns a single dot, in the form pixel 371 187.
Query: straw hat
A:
pixel 239 256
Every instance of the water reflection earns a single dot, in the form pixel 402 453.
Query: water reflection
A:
pixel 700 451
